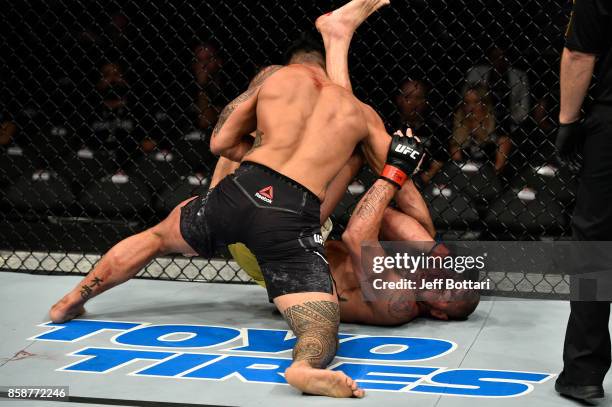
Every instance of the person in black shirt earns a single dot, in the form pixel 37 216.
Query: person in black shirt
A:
pixel 586 353
pixel 413 109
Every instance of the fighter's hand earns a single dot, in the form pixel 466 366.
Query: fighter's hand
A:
pixel 570 138
pixel 403 158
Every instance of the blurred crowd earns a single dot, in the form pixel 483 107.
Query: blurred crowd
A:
pixel 489 164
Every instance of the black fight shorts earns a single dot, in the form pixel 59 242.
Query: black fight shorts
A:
pixel 274 216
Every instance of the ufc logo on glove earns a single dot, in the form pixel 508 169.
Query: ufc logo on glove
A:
pixel 406 150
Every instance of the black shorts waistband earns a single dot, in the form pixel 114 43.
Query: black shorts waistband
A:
pixel 284 178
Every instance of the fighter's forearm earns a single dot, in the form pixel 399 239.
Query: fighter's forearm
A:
pixel 237 151
pixel 381 307
pixel 365 221
pixel 411 202
pixel 364 226
pixel 227 138
pixel 576 73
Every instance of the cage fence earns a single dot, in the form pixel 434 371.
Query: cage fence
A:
pixel 107 109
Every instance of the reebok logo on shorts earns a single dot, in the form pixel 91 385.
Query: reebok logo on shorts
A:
pixel 266 194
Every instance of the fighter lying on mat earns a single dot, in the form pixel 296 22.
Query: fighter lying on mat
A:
pixel 344 258
pixel 307 128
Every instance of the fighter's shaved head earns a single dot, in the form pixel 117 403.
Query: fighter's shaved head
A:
pixel 464 307
pixel 306 48
pixel 448 304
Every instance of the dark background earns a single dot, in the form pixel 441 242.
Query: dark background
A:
pixel 435 40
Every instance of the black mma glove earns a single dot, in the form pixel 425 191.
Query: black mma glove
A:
pixel 570 138
pixel 403 158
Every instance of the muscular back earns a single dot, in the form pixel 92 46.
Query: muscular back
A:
pixel 307 127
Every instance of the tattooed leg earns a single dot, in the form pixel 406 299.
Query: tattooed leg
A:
pixel 315 324
pixel 314 319
pixel 121 263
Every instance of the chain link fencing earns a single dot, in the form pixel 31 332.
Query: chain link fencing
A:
pixel 107 109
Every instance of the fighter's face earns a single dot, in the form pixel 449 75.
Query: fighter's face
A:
pixel 436 303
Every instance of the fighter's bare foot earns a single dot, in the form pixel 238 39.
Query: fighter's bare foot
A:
pixel 65 310
pixel 345 20
pixel 322 382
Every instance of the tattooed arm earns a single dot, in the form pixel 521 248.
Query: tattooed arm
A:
pixel 365 221
pixel 238 119
pixel 379 307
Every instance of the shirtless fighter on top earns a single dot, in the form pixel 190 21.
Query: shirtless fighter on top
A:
pixel 306 130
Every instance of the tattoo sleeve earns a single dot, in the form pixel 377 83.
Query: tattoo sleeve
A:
pixel 371 202
pixel 254 86
pixel 229 109
pixel 315 324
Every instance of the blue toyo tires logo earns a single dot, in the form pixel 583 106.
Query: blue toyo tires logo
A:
pixel 381 363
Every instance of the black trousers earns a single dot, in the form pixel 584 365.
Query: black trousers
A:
pixel 586 353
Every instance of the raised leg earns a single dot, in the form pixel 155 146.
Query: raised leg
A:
pixel 337 29
pixel 122 262
pixel 314 319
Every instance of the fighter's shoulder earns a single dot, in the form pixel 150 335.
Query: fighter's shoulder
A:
pixel 370 114
pixel 263 74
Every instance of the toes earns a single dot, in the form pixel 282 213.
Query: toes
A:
pixel 359 393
